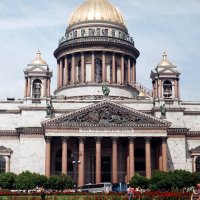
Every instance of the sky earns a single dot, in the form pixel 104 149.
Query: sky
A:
pixel 174 26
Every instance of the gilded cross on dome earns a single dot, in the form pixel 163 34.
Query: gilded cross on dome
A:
pixel 164 56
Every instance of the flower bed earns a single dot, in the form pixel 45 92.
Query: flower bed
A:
pixel 88 196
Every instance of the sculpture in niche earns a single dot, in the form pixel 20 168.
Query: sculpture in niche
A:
pixel 113 33
pixel 75 34
pixel 82 32
pixel 104 32
pixel 91 32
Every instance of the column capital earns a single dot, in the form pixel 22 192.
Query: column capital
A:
pixel 48 139
pixel 98 139
pixel 164 139
pixel 131 139
pixel 114 140
pixel 148 139
pixel 81 139
pixel 64 139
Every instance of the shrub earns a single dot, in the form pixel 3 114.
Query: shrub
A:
pixel 27 180
pixel 60 182
pixel 7 180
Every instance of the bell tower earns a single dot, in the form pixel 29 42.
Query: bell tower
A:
pixel 37 80
pixel 165 81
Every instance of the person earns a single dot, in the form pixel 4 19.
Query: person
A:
pixel 43 194
pixel 130 193
pixel 196 191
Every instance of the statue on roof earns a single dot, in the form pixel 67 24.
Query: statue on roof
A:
pixel 49 109
pixel 163 110
pixel 106 90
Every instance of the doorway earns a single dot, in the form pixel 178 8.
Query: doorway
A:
pixel 106 169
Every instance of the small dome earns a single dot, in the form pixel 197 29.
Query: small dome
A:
pixel 165 62
pixel 96 10
pixel 38 60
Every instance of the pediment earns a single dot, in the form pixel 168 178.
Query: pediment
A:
pixel 168 70
pixel 196 150
pixel 37 69
pixel 106 114
pixel 5 150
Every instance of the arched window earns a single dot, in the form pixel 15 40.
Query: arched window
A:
pixel 98 70
pixel 36 88
pixel 198 164
pixel 167 89
pixel 2 164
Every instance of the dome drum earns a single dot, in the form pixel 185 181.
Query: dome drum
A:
pixel 93 91
pixel 96 67
pixel 101 32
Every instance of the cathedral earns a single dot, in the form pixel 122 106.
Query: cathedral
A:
pixel 100 124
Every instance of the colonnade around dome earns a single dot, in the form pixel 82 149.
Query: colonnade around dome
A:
pixel 96 68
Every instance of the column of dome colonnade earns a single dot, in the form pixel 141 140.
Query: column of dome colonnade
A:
pixel 115 160
pixel 116 68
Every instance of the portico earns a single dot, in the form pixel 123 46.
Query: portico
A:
pixel 105 147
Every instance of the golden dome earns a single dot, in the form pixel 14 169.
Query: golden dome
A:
pixel 95 10
pixel 165 62
pixel 38 60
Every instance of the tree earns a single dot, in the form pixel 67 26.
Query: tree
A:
pixel 139 181
pixel 7 180
pixel 157 179
pixel 171 180
pixel 183 178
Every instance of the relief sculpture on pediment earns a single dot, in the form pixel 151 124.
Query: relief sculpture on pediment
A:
pixel 106 116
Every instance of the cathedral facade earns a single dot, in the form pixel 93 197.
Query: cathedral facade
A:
pixel 100 125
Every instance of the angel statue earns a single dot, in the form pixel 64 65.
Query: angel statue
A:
pixel 163 110
pixel 105 90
